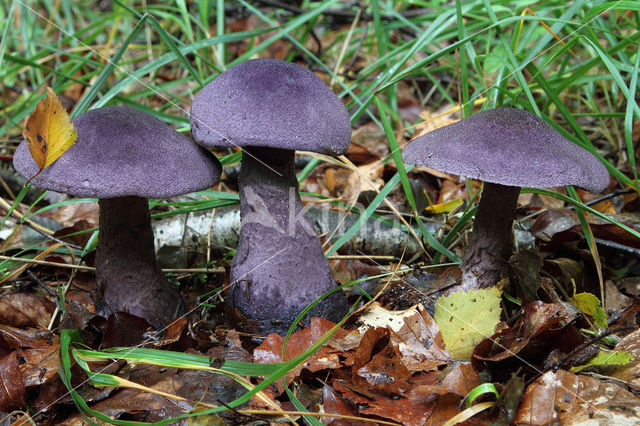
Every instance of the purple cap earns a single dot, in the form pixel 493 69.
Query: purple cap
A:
pixel 511 147
pixel 121 151
pixel 270 103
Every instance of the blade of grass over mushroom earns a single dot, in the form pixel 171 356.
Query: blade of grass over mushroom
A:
pixel 397 158
pixel 628 119
pixel 588 234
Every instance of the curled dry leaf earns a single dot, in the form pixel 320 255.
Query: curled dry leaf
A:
pixel 26 338
pixel 539 329
pixel 332 402
pixel 378 364
pixel 414 332
pixel 325 358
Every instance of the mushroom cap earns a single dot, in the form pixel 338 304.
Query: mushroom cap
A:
pixel 121 151
pixel 511 147
pixel 270 103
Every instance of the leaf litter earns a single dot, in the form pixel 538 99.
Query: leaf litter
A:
pixel 388 363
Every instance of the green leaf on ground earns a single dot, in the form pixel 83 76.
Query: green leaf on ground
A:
pixel 606 358
pixel 590 305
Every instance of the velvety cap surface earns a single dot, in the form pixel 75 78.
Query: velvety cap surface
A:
pixel 122 151
pixel 511 147
pixel 270 103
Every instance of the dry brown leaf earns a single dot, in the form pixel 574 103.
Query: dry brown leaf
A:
pixel 565 398
pixel 407 411
pixel 40 365
pixel 415 334
pixel 26 338
pixel 11 384
pixel 348 184
pixel 270 350
pixel 26 310
pixel 379 368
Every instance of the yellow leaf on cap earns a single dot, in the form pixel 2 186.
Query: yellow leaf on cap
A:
pixel 49 131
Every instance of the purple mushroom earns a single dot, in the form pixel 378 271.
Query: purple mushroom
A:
pixel 506 148
pixel 122 157
pixel 272 108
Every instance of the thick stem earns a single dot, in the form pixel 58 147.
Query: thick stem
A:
pixel 279 267
pixel 126 268
pixel 490 243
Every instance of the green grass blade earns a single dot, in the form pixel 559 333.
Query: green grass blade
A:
pixel 591 242
pixel 628 119
pixel 584 207
pixel 397 158
pixel 371 208
pixel 87 99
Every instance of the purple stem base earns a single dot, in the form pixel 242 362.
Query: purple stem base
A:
pixel 490 244
pixel 126 269
pixel 279 267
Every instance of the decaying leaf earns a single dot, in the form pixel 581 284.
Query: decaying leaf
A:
pixel 565 398
pixel 49 131
pixel 465 318
pixel 12 384
pixel 414 332
pixel 26 310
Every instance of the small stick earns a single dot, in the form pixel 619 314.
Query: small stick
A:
pixel 91 268
pixel 360 256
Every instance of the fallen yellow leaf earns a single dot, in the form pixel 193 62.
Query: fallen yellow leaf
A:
pixel 446 207
pixel 467 317
pixel 49 131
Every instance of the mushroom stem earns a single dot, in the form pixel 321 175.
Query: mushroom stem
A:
pixel 279 267
pixel 126 269
pixel 490 242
